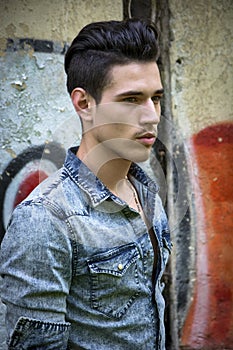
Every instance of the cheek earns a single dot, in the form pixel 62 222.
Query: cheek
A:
pixel 115 130
pixel 159 110
pixel 117 112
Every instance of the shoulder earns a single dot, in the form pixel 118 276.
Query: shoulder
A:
pixel 33 222
pixel 57 196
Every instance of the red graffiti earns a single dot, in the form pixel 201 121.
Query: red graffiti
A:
pixel 28 184
pixel 209 323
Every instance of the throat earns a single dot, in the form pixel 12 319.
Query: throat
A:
pixel 127 192
pixel 136 201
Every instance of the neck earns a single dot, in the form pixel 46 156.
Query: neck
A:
pixel 108 167
pixel 113 173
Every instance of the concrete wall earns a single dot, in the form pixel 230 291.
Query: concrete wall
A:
pixel 56 20
pixel 201 59
pixel 201 63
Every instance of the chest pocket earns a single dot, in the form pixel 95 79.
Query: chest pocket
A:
pixel 114 280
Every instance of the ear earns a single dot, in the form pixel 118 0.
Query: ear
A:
pixel 80 99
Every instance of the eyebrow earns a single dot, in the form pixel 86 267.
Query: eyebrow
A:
pixel 138 93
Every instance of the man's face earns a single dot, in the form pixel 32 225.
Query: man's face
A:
pixel 125 121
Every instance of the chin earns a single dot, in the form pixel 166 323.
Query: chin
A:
pixel 138 157
pixel 128 150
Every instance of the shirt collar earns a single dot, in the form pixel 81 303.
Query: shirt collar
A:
pixel 91 184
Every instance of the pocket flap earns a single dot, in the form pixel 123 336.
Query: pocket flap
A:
pixel 115 261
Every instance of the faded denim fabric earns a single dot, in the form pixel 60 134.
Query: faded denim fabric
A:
pixel 77 265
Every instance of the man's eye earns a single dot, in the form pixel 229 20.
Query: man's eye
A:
pixel 130 99
pixel 156 99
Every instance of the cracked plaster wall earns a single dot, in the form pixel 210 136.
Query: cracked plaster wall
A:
pixel 201 58
pixel 54 20
pixel 34 102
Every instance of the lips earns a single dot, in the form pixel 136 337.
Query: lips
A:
pixel 147 139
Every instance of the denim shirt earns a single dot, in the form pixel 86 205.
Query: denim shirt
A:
pixel 77 265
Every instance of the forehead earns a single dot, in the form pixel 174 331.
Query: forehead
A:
pixel 142 76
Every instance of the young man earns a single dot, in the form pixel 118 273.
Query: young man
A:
pixel 84 254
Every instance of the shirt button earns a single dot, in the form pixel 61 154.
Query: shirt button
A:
pixel 120 267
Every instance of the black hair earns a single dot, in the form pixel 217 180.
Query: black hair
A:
pixel 101 45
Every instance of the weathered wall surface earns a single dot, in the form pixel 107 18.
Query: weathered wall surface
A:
pixel 53 20
pixel 201 56
pixel 201 61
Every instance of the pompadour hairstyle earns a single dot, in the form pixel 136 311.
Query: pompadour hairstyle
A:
pixel 100 46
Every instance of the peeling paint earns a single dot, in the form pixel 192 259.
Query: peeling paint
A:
pixel 19 85
pixel 41 60
pixel 26 111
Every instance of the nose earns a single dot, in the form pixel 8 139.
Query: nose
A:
pixel 150 112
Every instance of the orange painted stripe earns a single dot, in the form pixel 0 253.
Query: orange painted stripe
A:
pixel 209 323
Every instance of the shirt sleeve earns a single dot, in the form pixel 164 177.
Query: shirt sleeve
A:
pixel 36 270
